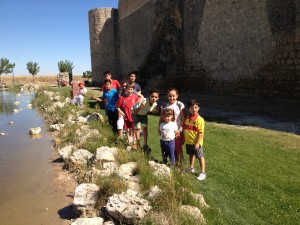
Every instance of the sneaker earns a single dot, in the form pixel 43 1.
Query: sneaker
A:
pixel 202 176
pixel 192 170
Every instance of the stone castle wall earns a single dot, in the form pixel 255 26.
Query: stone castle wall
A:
pixel 212 45
pixel 104 42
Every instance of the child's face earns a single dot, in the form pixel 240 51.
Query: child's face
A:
pixel 194 109
pixel 167 118
pixel 132 77
pixel 172 96
pixel 108 76
pixel 129 90
pixel 107 86
pixel 153 98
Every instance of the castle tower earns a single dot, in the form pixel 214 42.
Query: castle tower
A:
pixel 104 42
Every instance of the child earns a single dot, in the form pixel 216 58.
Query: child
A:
pixel 193 130
pixel 124 106
pixel 78 99
pixel 179 115
pixel 112 96
pixel 140 119
pixel 167 130
pixel 120 122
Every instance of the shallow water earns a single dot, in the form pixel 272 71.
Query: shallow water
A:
pixel 27 194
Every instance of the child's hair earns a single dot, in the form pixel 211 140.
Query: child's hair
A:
pixel 193 102
pixel 106 72
pixel 173 89
pixel 106 81
pixel 153 91
pixel 130 86
pixel 132 72
pixel 169 112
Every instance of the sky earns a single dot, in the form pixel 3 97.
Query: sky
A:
pixel 46 32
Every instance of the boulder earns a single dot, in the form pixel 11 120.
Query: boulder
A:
pixel 81 119
pixel 85 198
pixel 66 152
pixel 192 211
pixel 81 157
pixel 88 221
pixel 200 199
pixel 153 192
pixel 56 127
pixel 127 207
pixel 105 154
pixel 35 130
pixel 95 116
pixel 160 170
pixel 127 170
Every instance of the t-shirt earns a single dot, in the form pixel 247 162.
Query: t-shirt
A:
pixel 177 107
pixel 137 87
pixel 125 103
pixel 146 108
pixel 82 92
pixel 193 125
pixel 167 131
pixel 112 96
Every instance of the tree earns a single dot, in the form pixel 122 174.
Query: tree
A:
pixel 33 68
pixel 87 74
pixel 65 66
pixel 6 67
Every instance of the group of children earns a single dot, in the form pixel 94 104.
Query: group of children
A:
pixel 126 108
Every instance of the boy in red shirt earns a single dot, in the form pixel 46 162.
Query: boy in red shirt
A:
pixel 124 105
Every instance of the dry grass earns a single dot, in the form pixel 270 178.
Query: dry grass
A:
pixel 43 79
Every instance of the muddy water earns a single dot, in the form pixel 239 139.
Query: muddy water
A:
pixel 28 195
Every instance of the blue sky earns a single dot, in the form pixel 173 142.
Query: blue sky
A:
pixel 46 32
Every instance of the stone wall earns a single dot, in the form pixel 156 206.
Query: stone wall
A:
pixel 212 45
pixel 104 42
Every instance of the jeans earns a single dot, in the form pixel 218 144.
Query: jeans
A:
pixel 168 149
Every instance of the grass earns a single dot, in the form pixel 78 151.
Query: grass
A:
pixel 252 174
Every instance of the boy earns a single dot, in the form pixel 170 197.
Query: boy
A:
pixel 140 119
pixel 124 105
pixel 193 130
pixel 78 99
pixel 112 96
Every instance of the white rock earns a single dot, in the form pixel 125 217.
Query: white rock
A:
pixel 66 152
pixel 160 170
pixel 105 154
pixel 10 122
pixel 88 221
pixel 194 212
pixel 16 110
pixel 127 170
pixel 81 157
pixel 85 198
pixel 153 192
pixel 35 130
pixel 56 127
pixel 95 116
pixel 82 119
pixel 200 199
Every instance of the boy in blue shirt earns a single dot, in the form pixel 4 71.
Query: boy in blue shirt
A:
pixel 112 96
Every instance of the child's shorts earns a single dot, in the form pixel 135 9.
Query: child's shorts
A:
pixel 190 150
pixel 128 124
pixel 120 123
pixel 139 121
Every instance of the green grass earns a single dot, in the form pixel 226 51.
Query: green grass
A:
pixel 252 175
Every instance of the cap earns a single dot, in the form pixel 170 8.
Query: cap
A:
pixel 81 84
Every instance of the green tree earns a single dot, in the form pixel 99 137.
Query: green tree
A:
pixel 87 74
pixel 65 66
pixel 33 68
pixel 6 67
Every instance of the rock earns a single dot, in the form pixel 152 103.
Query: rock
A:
pixel 85 133
pixel 85 198
pixel 108 169
pixel 81 119
pixel 81 157
pixel 29 106
pixel 153 192
pixel 95 116
pixel 158 218
pixel 67 100
pixel 56 98
pixel 56 127
pixel 2 133
pixel 200 199
pixel 127 208
pixel 16 103
pixel 194 212
pixel 127 170
pixel 160 170
pixel 10 122
pixel 88 221
pixel 109 223
pixel 35 130
pixel 66 152
pixel 134 183
pixel 16 110
pixel 105 154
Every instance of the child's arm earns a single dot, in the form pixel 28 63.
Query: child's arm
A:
pixel 160 120
pixel 96 98
pixel 142 104
pixel 198 145
pixel 120 112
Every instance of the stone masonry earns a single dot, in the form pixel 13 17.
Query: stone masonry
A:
pixel 204 46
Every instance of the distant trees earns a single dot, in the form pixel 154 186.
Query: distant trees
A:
pixel 33 68
pixel 65 66
pixel 87 74
pixel 6 67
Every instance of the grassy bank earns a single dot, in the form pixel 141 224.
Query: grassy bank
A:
pixel 252 173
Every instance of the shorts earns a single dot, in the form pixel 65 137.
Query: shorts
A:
pixel 128 124
pixel 139 121
pixel 120 123
pixel 190 150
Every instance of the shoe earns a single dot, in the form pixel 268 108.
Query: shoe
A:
pixel 202 176
pixel 192 170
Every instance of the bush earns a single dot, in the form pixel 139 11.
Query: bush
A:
pixel 65 66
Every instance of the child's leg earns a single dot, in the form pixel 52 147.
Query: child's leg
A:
pixel 202 164
pixel 192 160
pixel 178 150
pixel 120 126
pixel 137 135
pixel 171 149
pixel 145 135
pixel 164 151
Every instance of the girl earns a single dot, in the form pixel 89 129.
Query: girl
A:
pixel 167 130
pixel 179 115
